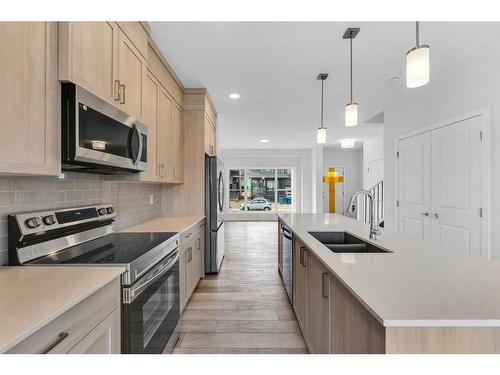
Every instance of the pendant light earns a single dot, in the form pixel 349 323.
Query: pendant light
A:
pixel 417 63
pixel 321 132
pixel 351 109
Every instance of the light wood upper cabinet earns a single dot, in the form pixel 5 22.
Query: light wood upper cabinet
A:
pixel 29 140
pixel 151 97
pixel 176 144
pixel 88 56
pixel 102 58
pixel 131 70
pixel 318 284
pixel 164 135
pixel 209 137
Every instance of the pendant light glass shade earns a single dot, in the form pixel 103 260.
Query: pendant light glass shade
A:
pixel 417 67
pixel 351 114
pixel 417 62
pixel 321 136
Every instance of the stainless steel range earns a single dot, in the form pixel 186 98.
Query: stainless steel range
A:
pixel 85 236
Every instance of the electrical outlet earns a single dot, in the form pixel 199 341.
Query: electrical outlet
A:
pixel 151 199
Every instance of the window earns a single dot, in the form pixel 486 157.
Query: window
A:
pixel 259 190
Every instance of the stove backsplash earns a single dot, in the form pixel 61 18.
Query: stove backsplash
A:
pixel 130 199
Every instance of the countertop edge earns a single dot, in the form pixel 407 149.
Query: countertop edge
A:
pixel 24 335
pixel 130 229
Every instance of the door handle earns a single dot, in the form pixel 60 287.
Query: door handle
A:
pixel 304 256
pixel 436 215
pixel 301 256
pixel 122 91
pixel 117 90
pixel 56 342
pixel 425 214
pixel 323 289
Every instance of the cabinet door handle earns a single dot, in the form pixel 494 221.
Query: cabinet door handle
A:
pixel 56 342
pixel 122 92
pixel 436 215
pixel 190 251
pixel 301 256
pixel 425 214
pixel 117 90
pixel 303 252
pixel 323 289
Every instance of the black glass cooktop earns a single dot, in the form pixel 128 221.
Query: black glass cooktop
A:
pixel 118 248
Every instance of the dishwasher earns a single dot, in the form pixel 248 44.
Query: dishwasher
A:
pixel 287 240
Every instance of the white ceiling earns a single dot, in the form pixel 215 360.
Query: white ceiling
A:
pixel 273 65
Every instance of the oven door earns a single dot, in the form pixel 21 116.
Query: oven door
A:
pixel 151 309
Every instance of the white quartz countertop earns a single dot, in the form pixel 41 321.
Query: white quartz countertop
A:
pixel 166 224
pixel 32 297
pixel 419 284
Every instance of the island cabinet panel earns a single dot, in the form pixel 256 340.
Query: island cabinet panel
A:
pixel 354 330
pixel 300 283
pixel 29 99
pixel 318 304
pixel 88 56
pixel 443 340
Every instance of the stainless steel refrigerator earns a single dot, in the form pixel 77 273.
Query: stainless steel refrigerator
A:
pixel 214 208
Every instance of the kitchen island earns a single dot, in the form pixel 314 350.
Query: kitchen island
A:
pixel 415 298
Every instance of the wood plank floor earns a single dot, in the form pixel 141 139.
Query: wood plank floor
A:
pixel 243 309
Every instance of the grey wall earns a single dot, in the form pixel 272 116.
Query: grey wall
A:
pixel 130 199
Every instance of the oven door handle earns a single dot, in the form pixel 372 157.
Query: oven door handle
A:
pixel 130 294
pixel 141 146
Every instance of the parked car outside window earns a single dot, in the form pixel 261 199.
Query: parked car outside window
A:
pixel 258 204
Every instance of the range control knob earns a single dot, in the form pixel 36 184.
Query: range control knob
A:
pixel 110 210
pixel 102 211
pixel 49 220
pixel 33 222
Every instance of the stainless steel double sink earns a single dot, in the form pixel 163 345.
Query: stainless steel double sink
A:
pixel 342 242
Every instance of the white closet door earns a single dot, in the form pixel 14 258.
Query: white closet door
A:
pixel 456 186
pixel 414 180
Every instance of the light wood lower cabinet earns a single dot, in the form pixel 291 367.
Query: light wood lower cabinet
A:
pixel 354 330
pixel 318 306
pixel 192 261
pixel 330 317
pixel 300 283
pixel 29 99
pixel 103 339
pixel 92 326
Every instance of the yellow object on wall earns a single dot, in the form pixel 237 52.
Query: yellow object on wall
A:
pixel 331 180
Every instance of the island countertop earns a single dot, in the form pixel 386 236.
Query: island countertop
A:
pixel 418 284
pixel 32 297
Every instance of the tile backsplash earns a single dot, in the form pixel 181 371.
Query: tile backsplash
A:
pixel 131 200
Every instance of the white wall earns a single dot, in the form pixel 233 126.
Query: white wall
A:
pixel 373 160
pixel 299 160
pixel 352 161
pixel 465 86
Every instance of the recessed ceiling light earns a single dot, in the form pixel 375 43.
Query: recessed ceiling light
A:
pixel 234 95
pixel 264 140
pixel 347 143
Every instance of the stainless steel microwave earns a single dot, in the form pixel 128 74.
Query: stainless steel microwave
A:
pixel 97 137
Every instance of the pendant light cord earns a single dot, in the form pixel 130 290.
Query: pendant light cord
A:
pixel 417 27
pixel 350 41
pixel 322 81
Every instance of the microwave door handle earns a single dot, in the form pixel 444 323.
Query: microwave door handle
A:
pixel 139 152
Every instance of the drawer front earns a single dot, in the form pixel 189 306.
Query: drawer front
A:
pixel 63 333
pixel 188 235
